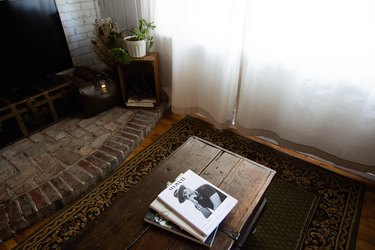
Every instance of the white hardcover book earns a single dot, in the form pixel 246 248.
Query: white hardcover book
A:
pixel 199 203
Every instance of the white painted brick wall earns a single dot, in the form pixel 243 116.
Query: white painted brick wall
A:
pixel 78 19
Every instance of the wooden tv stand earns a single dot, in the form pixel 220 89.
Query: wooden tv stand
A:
pixel 39 108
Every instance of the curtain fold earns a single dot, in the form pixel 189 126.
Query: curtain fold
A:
pixel 201 45
pixel 296 71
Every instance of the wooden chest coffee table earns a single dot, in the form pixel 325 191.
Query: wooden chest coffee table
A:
pixel 121 226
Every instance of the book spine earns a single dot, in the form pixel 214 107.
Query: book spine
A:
pixel 168 214
pixel 177 230
pixel 183 218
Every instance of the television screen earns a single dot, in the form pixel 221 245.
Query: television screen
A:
pixel 33 46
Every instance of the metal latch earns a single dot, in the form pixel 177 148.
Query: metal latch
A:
pixel 232 234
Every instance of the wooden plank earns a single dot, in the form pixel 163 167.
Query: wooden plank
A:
pixel 194 154
pixel 247 182
pixel 18 117
pixel 220 167
pixel 156 77
pixel 51 106
pixel 161 239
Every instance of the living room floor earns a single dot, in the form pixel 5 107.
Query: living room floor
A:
pixel 366 232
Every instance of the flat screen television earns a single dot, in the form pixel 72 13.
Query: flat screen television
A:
pixel 33 47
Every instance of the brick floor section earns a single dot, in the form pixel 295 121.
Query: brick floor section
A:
pixel 48 170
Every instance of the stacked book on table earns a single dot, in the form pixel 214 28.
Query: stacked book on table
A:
pixel 134 101
pixel 191 207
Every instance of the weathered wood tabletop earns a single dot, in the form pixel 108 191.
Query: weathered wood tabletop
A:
pixel 121 226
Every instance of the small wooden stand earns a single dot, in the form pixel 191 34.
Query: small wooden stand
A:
pixel 146 69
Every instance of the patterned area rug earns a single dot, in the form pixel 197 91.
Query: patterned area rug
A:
pixel 308 208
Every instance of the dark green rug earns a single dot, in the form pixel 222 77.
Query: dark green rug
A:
pixel 308 207
pixel 287 211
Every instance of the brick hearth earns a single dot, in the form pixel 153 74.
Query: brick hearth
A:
pixel 48 170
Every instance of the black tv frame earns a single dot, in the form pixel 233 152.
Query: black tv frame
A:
pixel 33 47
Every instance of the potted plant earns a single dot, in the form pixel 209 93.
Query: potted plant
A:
pixel 109 43
pixel 141 41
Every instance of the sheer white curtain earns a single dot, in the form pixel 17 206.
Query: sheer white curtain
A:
pixel 309 75
pixel 199 44
pixel 304 70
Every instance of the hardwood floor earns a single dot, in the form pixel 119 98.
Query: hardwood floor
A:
pixel 366 232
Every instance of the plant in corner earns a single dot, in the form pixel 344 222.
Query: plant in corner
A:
pixel 109 45
pixel 141 41
pixel 109 42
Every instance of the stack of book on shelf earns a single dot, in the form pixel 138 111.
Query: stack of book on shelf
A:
pixel 134 101
pixel 191 207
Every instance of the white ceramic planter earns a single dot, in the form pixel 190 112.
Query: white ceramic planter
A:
pixel 136 49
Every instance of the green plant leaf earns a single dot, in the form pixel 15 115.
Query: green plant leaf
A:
pixel 109 42
pixel 120 55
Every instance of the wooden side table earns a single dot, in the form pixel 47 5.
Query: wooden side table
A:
pixel 142 74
